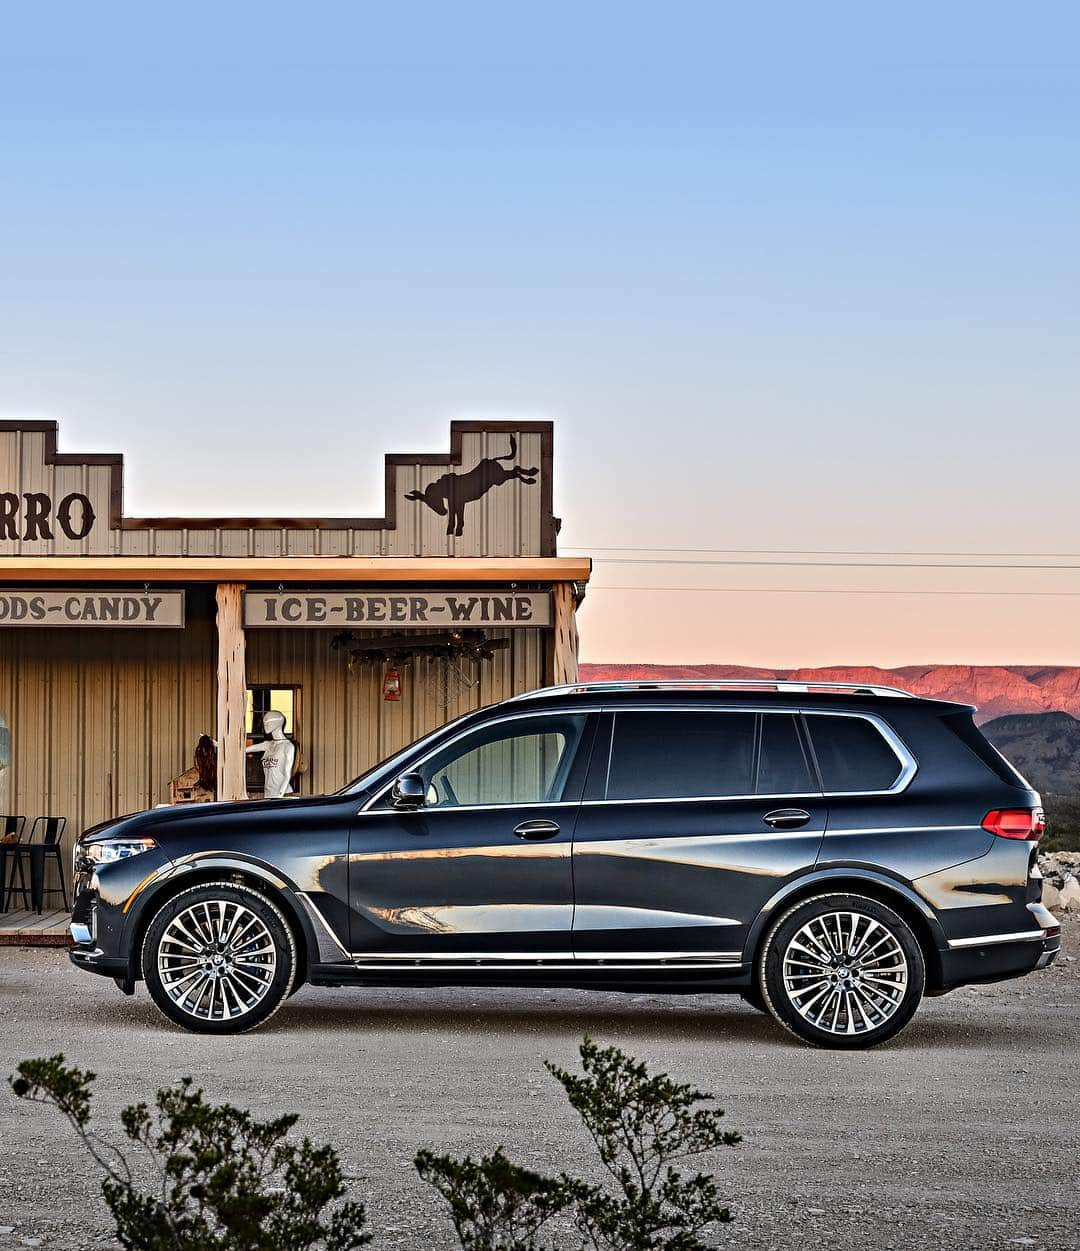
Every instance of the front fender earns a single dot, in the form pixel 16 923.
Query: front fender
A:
pixel 186 871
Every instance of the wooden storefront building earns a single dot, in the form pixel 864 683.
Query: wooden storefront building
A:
pixel 125 639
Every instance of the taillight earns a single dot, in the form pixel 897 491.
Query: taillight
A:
pixel 1022 823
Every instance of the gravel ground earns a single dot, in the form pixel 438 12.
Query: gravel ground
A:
pixel 961 1133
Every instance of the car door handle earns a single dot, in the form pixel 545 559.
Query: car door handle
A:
pixel 786 818
pixel 536 829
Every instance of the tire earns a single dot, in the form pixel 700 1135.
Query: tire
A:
pixel 219 958
pixel 842 971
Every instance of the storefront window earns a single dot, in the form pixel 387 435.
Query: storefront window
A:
pixel 261 700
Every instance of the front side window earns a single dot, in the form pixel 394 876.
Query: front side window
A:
pixel 852 754
pixel 681 755
pixel 524 761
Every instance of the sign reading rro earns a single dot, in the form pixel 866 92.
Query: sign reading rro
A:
pixel 412 609
pixel 31 516
pixel 160 609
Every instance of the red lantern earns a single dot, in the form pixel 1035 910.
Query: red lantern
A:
pixel 391 687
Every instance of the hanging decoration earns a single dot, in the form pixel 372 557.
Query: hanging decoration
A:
pixel 391 687
pixel 400 649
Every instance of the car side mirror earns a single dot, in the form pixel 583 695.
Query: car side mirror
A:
pixel 409 792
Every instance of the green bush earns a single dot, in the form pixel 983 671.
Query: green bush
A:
pixel 1062 823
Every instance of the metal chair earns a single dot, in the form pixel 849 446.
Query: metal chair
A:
pixel 11 832
pixel 38 854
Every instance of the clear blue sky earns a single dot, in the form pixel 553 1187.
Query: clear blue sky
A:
pixel 785 276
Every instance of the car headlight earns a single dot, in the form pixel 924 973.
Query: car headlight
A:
pixel 113 849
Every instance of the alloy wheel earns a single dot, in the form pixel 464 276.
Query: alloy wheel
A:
pixel 845 973
pixel 216 960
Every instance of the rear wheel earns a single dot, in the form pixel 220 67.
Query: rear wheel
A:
pixel 842 971
pixel 219 958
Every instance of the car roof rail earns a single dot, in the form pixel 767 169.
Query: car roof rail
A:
pixel 716 684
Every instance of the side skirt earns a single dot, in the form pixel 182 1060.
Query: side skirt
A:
pixel 637 979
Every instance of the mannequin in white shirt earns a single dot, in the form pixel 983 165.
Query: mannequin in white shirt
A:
pixel 278 756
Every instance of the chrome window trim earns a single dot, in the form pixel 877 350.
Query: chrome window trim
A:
pixel 909 766
pixel 908 763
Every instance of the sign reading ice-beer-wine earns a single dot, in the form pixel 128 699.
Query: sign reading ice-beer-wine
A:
pixel 380 610
pixel 98 608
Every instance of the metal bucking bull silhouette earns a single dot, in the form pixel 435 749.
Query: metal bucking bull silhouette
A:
pixel 449 494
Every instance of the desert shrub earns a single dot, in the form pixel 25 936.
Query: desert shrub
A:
pixel 641 1124
pixel 223 1181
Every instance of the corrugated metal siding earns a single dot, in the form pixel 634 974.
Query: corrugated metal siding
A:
pixel 507 521
pixel 345 724
pixel 102 720
pixel 23 470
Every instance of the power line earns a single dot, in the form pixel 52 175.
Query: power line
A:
pixel 826 564
pixel 808 590
pixel 766 551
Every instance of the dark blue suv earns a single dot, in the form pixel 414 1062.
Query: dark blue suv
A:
pixel 829 853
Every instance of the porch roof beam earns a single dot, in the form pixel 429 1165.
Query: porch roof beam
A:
pixel 367 569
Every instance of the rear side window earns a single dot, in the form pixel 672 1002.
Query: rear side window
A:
pixel 782 767
pixel 852 754
pixel 681 755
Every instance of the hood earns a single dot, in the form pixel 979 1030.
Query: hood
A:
pixel 162 823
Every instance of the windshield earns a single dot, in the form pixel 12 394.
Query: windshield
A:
pixel 391 766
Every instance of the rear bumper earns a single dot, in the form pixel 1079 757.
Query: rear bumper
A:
pixel 995 957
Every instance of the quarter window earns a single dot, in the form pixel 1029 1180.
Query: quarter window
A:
pixel 681 755
pixel 517 762
pixel 852 754
pixel 782 767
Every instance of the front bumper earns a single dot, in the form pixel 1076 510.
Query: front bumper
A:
pixel 93 960
pixel 995 957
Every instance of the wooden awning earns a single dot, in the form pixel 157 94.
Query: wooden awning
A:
pixel 341 569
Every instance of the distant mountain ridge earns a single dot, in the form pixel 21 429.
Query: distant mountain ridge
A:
pixel 996 690
pixel 1044 746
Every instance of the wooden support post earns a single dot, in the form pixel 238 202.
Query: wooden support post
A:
pixel 231 691
pixel 565 656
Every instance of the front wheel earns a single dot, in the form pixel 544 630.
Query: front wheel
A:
pixel 219 958
pixel 842 971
